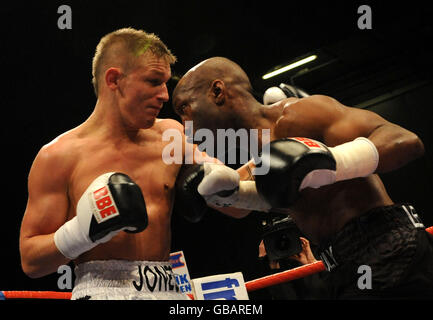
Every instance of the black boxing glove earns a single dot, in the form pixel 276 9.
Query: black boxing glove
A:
pixel 290 161
pixel 112 203
pixel 191 204
pixel 200 185
pixel 298 163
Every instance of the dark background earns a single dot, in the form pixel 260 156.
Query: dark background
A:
pixel 46 90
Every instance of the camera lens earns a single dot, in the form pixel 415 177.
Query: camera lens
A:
pixel 284 242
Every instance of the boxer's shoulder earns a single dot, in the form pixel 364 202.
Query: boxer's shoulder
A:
pixel 55 160
pixel 155 133
pixel 306 116
pixel 59 152
pixel 286 103
pixel 62 143
pixel 164 124
pixel 310 105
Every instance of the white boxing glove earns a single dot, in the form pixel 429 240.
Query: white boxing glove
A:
pixel 221 187
pixel 112 203
pixel 219 184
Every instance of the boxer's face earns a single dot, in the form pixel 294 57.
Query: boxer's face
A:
pixel 193 102
pixel 143 91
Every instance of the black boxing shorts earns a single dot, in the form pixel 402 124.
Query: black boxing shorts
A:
pixel 383 254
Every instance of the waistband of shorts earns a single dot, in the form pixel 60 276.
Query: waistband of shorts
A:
pixel 118 265
pixel 374 222
pixel 150 276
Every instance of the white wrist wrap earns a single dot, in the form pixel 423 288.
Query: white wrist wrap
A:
pixel 217 177
pixel 71 240
pixel 248 198
pixel 355 159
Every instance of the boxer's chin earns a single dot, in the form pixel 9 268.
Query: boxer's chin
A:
pixel 148 123
pixel 144 122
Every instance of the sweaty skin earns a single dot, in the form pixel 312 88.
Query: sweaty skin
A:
pixel 92 156
pixel 319 213
pixel 121 135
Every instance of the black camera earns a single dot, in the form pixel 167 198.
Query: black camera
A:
pixel 281 238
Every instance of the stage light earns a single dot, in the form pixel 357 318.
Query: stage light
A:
pixel 290 67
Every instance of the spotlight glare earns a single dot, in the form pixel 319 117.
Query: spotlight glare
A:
pixel 289 67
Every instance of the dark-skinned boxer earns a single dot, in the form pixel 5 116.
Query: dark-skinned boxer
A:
pixel 345 209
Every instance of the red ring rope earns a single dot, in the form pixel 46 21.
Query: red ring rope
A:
pixel 285 276
pixel 36 295
pixel 252 285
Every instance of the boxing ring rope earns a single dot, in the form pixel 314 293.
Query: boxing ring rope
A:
pixel 260 283
pixel 252 285
pixel 35 295
pixel 285 276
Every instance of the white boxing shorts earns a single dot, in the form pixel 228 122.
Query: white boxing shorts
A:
pixel 125 280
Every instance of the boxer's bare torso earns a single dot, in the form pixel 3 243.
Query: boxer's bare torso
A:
pixel 92 153
pixel 121 135
pixel 65 167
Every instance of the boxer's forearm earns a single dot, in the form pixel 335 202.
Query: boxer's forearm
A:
pixel 396 146
pixel 40 256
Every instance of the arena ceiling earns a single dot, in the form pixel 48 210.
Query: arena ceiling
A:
pixel 353 65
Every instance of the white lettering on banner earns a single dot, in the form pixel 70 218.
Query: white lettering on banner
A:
pixel 180 270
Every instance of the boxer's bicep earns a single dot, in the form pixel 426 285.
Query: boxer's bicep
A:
pixel 396 145
pixel 326 119
pixel 46 211
pixel 351 124
pixel 48 202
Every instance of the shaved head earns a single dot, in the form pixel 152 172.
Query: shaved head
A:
pixel 205 72
pixel 223 68
pixel 216 93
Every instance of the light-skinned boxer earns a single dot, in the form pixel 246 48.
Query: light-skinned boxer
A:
pixel 326 178
pixel 101 194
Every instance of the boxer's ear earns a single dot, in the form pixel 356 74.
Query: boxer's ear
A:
pixel 112 76
pixel 218 92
